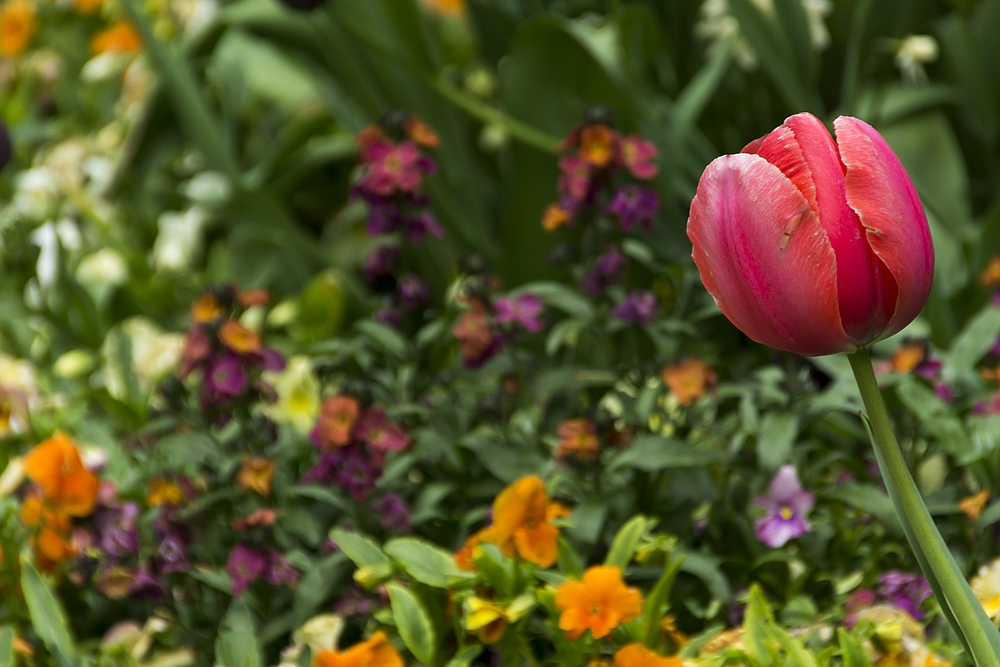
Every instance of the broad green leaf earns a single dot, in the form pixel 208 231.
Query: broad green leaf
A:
pixel 47 616
pixel 654 606
pixel 569 560
pixel 774 442
pixel 652 453
pixel 387 337
pixel 359 548
pixel 236 645
pixel 975 340
pixel 465 656
pixel 938 418
pixel 424 562
pixel 413 622
pixel 7 646
pixel 624 546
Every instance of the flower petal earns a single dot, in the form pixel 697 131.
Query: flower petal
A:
pixel 765 258
pixel 880 191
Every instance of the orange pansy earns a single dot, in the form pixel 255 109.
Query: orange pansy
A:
pixel 597 144
pixel 376 651
pixel 555 216
pixel 163 492
pixel 464 556
pixel 521 522
pixel 906 358
pixel 56 466
pixel 17 26
pixel 337 417
pixel 206 308
pixel 974 505
pixel 238 338
pixel 256 474
pixel 599 603
pixel 578 437
pixel 688 380
pixel 637 655
pixel 122 37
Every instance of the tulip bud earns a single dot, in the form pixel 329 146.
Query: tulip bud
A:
pixel 812 246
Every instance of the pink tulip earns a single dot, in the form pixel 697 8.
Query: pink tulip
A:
pixel 812 246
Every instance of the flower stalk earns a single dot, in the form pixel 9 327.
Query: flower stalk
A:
pixel 960 606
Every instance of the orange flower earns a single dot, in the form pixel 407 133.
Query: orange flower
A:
pixel 974 505
pixel 122 37
pixel 238 338
pixel 473 333
pixel 256 474
pixel 906 358
pixel 17 26
pixel 162 492
pixel 688 380
pixel 51 532
pixel 637 655
pixel 597 144
pixel 56 466
pixel 420 132
pixel 464 556
pixel 555 216
pixel 578 437
pixel 87 6
pixel 599 603
pixel 521 522
pixel 337 417
pixel 376 651
pixel 206 308
pixel 253 297
pixel 446 7
pixel 990 277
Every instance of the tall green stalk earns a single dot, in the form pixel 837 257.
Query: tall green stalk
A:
pixel 964 612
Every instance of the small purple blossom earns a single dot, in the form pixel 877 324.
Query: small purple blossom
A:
pixel 272 360
pixel 639 307
pixel 380 263
pixel 634 203
pixel 280 572
pixel 347 467
pixel 144 584
pixel 171 556
pixel 944 391
pixel 383 218
pixel 904 590
pixel 389 315
pixel 605 272
pixel 119 536
pixel 423 224
pixel 354 602
pixel 393 513
pixel 245 565
pixel 412 290
pixel 787 508
pixel 524 310
pixel 225 377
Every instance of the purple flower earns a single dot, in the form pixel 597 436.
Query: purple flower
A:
pixel 244 566
pixel 389 316
pixel 171 556
pixel 272 360
pixel 420 226
pixel 393 513
pixel 639 307
pixel 348 467
pixel 380 263
pixel 904 590
pixel 382 219
pixel 354 602
pixel 523 310
pixel 119 536
pixel 944 392
pixel 225 377
pixel 788 507
pixel 412 291
pixel 280 572
pixel 144 584
pixel 634 203
pixel 929 369
pixel 375 429
pixel 605 271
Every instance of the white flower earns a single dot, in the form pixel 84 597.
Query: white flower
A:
pixel 180 239
pixel 65 160
pixel 154 353
pixel 816 11
pixel 106 267
pixel 196 14
pixel 73 364
pixel 49 237
pixel 986 587
pixel 36 193
pixel 12 476
pixel 298 395
pixel 207 187
pixel 99 171
pixel 320 633
pixel 913 53
pixel 18 393
pixel 104 66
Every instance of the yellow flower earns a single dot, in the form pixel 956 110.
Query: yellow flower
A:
pixel 17 26
pixel 485 619
pixel 256 474
pixel 555 216
pixel 986 587
pixel 122 37
pixel 974 505
pixel 162 492
pixel 599 603
pixel 238 338
pixel 906 358
pixel 298 395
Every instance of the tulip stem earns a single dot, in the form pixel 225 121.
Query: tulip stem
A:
pixel 960 606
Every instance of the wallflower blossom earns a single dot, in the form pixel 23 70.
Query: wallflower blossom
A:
pixel 122 37
pixel 337 418
pixel 632 204
pixel 17 26
pixel 973 506
pixel 523 309
pixel 206 309
pixel 908 357
pixel 348 467
pixel 637 655
pixel 990 276
pixel 576 174
pixel 55 465
pixel 787 508
pixel 394 168
pixel 412 290
pixel 376 651
pixel 393 514
pixel 255 474
pixel 522 522
pixel 239 338
pixel 51 532
pixel 477 341
pixel 638 307
pixel 375 429
pixel 638 155
pixel 578 437
pixel 224 378
pixel 172 554
pixel 688 380
pixel 598 144
pixel 605 271
pixel 245 565
pixel 599 603
pixel 555 216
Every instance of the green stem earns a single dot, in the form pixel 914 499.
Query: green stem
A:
pixel 923 535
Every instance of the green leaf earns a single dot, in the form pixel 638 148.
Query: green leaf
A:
pixel 652 453
pixel 938 418
pixel 236 645
pixel 656 602
pixel 869 499
pixel 624 546
pixel 561 297
pixel 975 340
pixel 387 337
pixel 774 442
pixel 413 622
pixel 424 562
pixel 851 651
pixel 706 568
pixel 569 560
pixel 7 646
pixel 47 617
pixel 465 656
pixel 359 548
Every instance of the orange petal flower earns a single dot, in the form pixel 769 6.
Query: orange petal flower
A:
pixel 238 338
pixel 520 522
pixel 555 216
pixel 206 308
pixel 253 297
pixel 256 474
pixel 87 6
pixel 974 505
pixel 688 380
pixel 578 437
pixel 637 655
pixel 446 7
pixel 162 492
pixel 990 277
pixel 376 651
pixel 422 133
pixel 336 420
pixel 122 37
pixel 464 556
pixel 17 26
pixel 473 333
pixel 906 358
pixel 599 603
pixel 597 144
pixel 56 466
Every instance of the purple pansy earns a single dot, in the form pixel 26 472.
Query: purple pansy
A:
pixel 171 556
pixel 787 508
pixel 904 590
pixel 524 310
pixel 280 572
pixel 632 204
pixel 225 377
pixel 639 307
pixel 245 565
pixel 605 271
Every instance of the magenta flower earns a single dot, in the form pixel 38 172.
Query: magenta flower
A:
pixel 605 271
pixel 225 377
pixel 245 565
pixel 280 572
pixel 380 264
pixel 393 168
pixel 171 556
pixel 632 204
pixel 575 180
pixel 638 155
pixel 904 590
pixel 375 429
pixel 788 507
pixel 639 307
pixel 422 225
pixel 523 310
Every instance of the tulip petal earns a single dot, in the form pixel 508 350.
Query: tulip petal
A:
pixel 765 258
pixel 880 191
